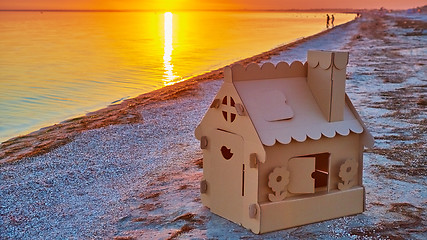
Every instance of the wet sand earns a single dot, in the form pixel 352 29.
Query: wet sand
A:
pixel 139 179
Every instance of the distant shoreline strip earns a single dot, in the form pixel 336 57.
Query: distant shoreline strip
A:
pixel 340 10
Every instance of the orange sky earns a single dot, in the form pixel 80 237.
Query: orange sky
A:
pixel 205 4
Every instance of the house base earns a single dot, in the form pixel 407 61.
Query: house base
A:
pixel 296 212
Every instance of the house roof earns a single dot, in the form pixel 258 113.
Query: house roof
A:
pixel 283 109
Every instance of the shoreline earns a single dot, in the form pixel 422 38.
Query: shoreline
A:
pixel 126 112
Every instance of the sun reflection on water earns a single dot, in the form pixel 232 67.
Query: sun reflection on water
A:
pixel 169 76
pixel 77 62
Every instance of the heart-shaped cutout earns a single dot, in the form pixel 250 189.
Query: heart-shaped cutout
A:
pixel 226 152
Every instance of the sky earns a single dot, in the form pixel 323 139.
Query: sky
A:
pixel 170 5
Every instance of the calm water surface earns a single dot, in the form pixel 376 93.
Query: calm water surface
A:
pixel 56 65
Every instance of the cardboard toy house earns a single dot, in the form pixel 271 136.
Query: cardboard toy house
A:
pixel 283 145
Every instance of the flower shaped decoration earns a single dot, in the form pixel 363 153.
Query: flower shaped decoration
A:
pixel 348 171
pixel 278 181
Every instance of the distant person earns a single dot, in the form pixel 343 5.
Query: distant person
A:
pixel 327 20
pixel 332 20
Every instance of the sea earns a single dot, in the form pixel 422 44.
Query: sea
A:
pixel 58 65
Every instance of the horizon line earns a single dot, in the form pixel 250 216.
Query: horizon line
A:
pixel 190 10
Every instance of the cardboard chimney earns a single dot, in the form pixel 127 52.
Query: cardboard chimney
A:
pixel 283 145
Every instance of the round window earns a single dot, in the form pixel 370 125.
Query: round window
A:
pixel 228 111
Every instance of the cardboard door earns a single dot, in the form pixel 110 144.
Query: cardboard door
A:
pixel 300 179
pixel 226 178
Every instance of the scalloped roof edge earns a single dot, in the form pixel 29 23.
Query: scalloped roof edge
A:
pixel 288 139
pixel 253 71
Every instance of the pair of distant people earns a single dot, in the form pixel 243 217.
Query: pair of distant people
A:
pixel 332 19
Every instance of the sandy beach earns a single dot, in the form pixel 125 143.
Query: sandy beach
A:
pixel 132 170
